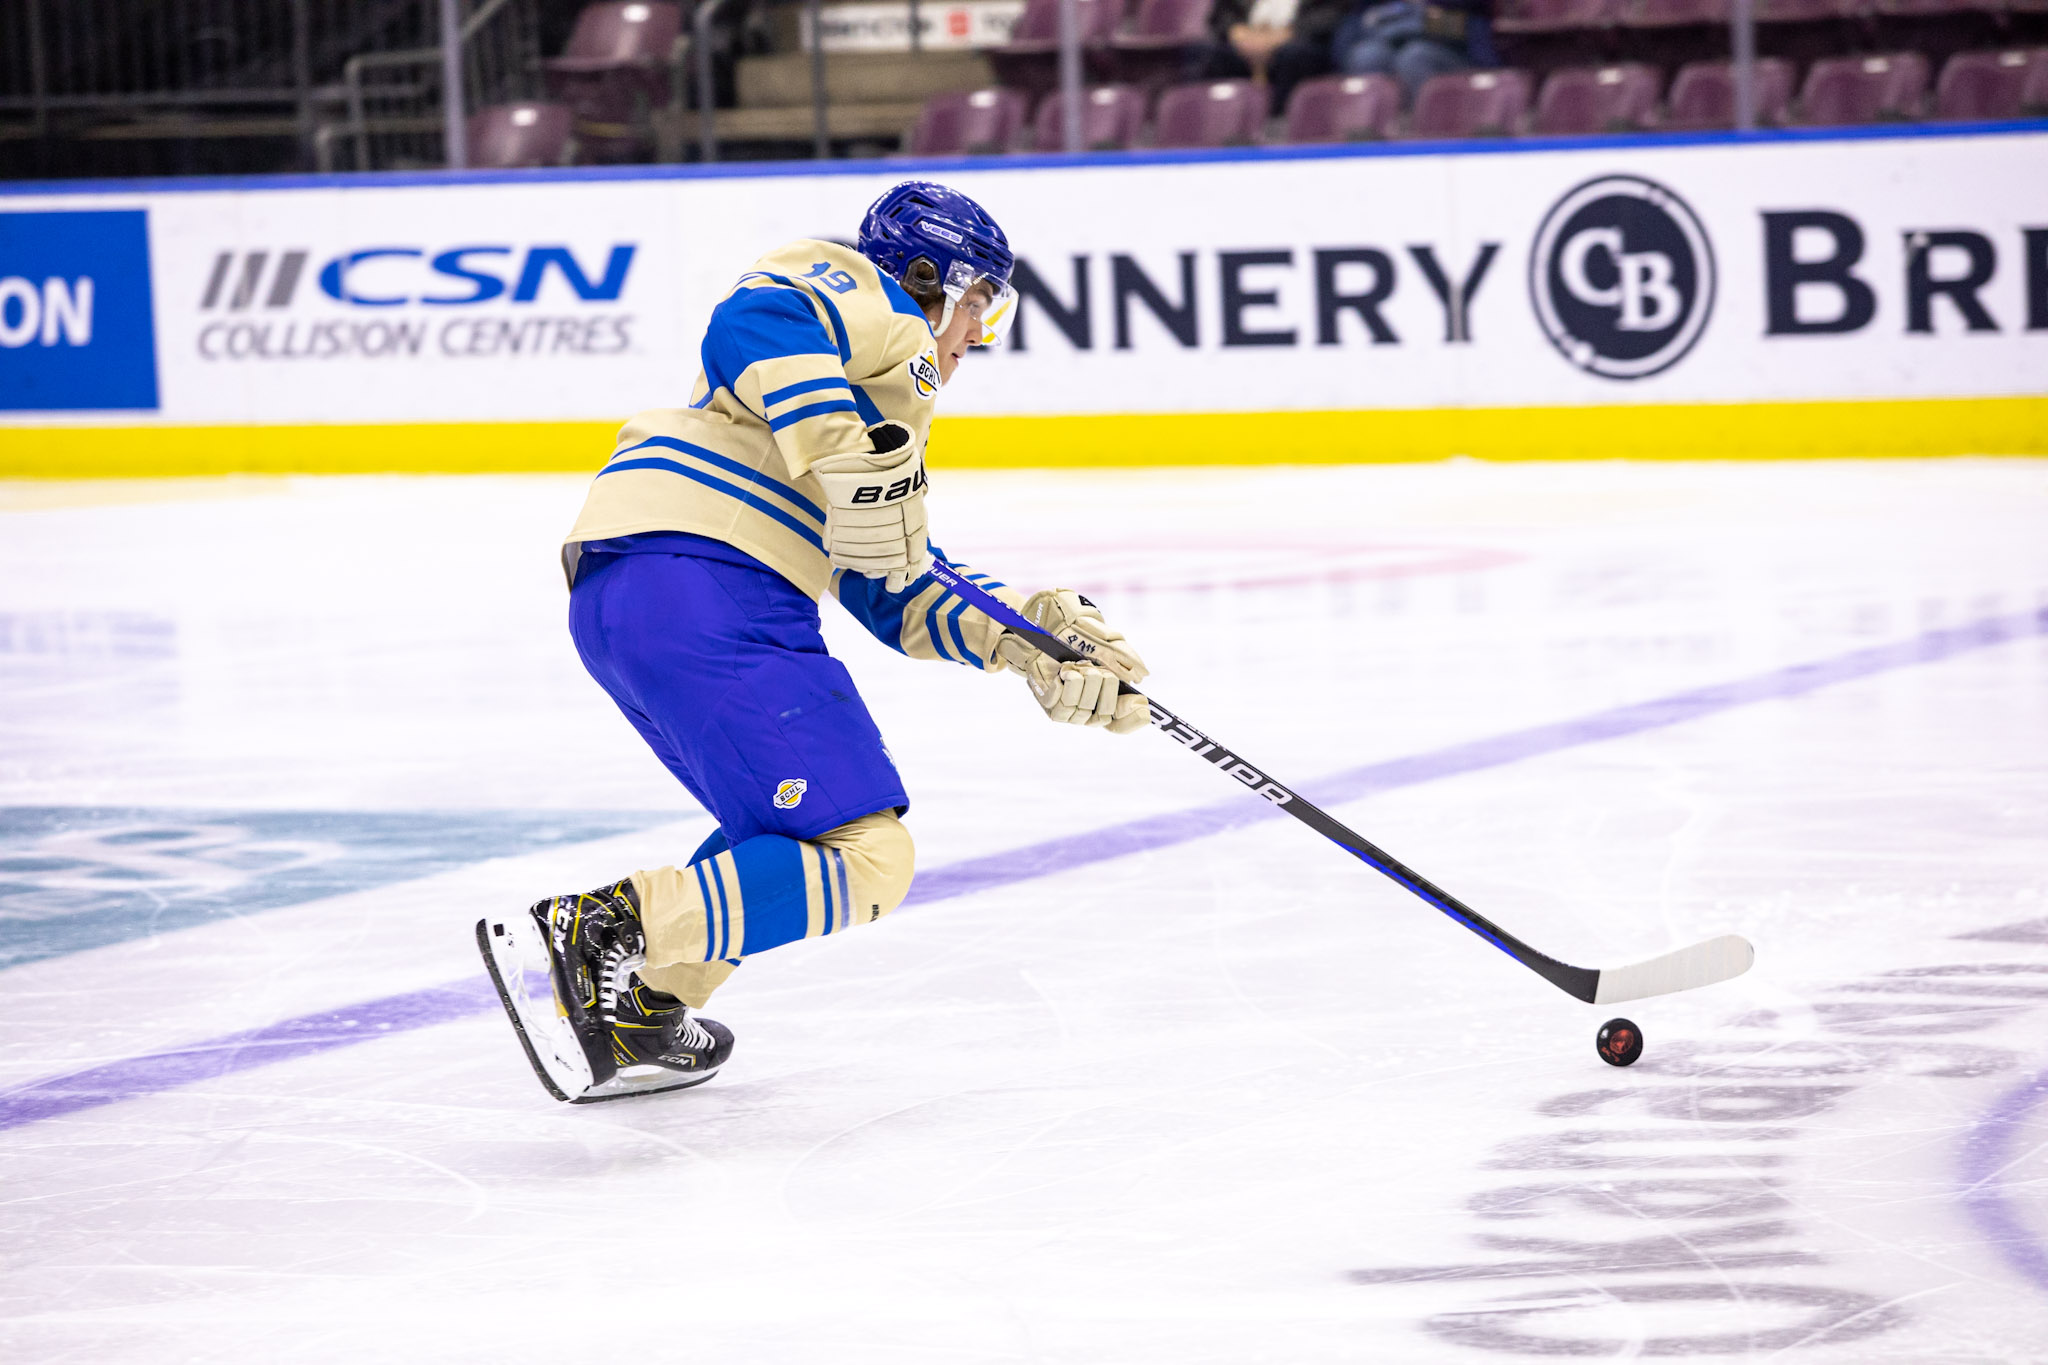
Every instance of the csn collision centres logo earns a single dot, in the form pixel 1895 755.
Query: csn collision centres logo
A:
pixel 1622 277
pixel 486 301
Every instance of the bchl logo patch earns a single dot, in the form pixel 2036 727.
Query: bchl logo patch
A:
pixel 790 792
pixel 924 372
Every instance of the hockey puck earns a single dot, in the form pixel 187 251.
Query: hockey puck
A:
pixel 1619 1042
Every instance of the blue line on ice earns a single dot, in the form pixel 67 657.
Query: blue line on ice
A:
pixel 156 1072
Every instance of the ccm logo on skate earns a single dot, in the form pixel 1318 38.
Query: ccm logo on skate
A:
pixel 790 792
pixel 1622 277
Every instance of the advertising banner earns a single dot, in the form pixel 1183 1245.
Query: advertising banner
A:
pixel 884 25
pixel 1619 287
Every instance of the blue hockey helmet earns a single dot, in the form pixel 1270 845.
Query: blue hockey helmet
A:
pixel 939 244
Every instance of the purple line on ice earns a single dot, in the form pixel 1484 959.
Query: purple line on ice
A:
pixel 1987 1153
pixel 280 1042
pixel 156 1072
pixel 1162 831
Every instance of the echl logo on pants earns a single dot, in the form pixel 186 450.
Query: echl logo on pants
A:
pixel 1622 277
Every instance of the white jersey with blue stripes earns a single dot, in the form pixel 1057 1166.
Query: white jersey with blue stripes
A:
pixel 811 347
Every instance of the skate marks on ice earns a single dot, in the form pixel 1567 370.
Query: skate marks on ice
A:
pixel 1989 1156
pixel 1137 567
pixel 1669 1215
pixel 76 877
pixel 154 1073
pixel 28 638
pixel 1992 1150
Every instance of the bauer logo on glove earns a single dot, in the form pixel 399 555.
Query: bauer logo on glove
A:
pixel 875 504
pixel 869 494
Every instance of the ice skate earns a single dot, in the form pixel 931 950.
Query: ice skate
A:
pixel 650 1028
pixel 561 969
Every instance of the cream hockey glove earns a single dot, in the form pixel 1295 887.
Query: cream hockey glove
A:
pixel 875 522
pixel 1079 693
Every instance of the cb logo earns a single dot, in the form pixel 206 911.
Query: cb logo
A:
pixel 1622 277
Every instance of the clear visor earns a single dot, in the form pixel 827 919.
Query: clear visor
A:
pixel 990 302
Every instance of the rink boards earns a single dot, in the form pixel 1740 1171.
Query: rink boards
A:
pixel 1788 294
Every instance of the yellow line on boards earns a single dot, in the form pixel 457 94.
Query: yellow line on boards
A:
pixel 420 448
pixel 1694 431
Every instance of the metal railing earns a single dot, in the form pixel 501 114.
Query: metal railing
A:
pixel 171 69
pixel 401 109
pixel 1742 49
pixel 703 30
pixel 366 83
pixel 704 20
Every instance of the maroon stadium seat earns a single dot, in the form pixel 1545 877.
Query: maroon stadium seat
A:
pixel 1155 51
pixel 1210 114
pixel 526 134
pixel 1168 21
pixel 1038 27
pixel 615 68
pixel 1841 90
pixel 2034 95
pixel 1991 85
pixel 1030 60
pixel 1909 7
pixel 1803 11
pixel 1597 99
pixel 1111 118
pixel 1703 94
pixel 621 40
pixel 1553 16
pixel 1471 104
pixel 969 123
pixel 1672 13
pixel 1344 109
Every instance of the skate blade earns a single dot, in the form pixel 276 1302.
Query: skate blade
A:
pixel 516 956
pixel 641 1080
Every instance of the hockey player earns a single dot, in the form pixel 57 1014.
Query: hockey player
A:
pixel 695 571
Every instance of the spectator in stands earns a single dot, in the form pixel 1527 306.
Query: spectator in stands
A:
pixel 1412 40
pixel 1282 42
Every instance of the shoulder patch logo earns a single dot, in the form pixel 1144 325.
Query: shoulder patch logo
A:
pixel 790 792
pixel 924 373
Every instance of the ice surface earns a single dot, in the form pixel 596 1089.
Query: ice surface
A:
pixel 1136 1076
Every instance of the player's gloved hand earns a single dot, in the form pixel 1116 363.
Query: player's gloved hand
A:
pixel 875 523
pixel 1079 693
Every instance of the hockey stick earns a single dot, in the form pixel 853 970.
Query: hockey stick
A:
pixel 1703 964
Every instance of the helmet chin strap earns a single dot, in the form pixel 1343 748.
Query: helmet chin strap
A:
pixel 945 316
